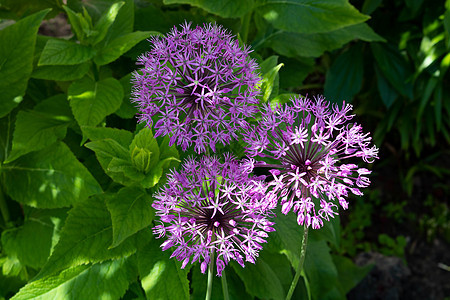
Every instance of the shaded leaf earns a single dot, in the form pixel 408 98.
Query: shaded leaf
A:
pixel 50 178
pixel 17 43
pixel 161 277
pixel 105 21
pixel 387 93
pixel 345 76
pixel 226 8
pixel 304 16
pixel 260 280
pixel 313 45
pixel 349 273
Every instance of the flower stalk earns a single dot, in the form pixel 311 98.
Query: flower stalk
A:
pixel 300 263
pixel 210 277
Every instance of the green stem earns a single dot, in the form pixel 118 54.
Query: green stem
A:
pixel 245 25
pixel 210 277
pixel 300 263
pixel 225 286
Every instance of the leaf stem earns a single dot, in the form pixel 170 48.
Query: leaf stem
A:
pixel 210 276
pixel 225 286
pixel 300 263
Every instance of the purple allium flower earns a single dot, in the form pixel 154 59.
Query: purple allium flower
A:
pixel 312 151
pixel 200 82
pixel 209 205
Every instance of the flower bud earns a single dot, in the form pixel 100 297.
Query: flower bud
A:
pixel 141 157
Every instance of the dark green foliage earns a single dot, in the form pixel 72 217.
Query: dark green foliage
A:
pixel 77 175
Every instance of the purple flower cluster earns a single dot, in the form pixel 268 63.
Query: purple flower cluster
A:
pixel 305 144
pixel 212 206
pixel 200 83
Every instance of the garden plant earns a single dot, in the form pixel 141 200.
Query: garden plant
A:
pixel 187 149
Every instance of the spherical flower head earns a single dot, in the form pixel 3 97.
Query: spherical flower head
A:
pixel 212 206
pixel 312 151
pixel 200 83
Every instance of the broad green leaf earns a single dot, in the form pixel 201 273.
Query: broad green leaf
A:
pixel 121 136
pixel 31 243
pixel 6 134
pixel 370 6
pixel 118 46
pixel 260 280
pixel 429 89
pixel 161 277
pixel 313 45
pixel 124 22
pixel 153 177
pixel 127 109
pixel 131 211
pixel 166 151
pixel 344 78
pixel 50 178
pixel 106 280
pixel 226 9
pixel 387 92
pixel 289 235
pixel 17 43
pixel 319 268
pixel 330 231
pixel 106 20
pixel 305 16
pixel 61 73
pixel 394 68
pixel 86 236
pixel 92 101
pixel 349 273
pixel 75 20
pixel 63 52
pixel 16 9
pixel 270 77
pixel 41 127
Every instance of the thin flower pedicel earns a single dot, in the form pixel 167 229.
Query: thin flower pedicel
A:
pixel 311 150
pixel 212 206
pixel 200 83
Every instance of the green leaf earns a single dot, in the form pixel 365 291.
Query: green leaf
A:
pixel 270 77
pixel 161 277
pixel 429 89
pixel 92 101
pixel 127 110
pixel 31 243
pixel 111 149
pixel 62 52
pixel 41 127
pixel 344 78
pixel 105 22
pixel 289 234
pixel 225 9
pixel 260 280
pixel 131 211
pixel 17 43
pixel 305 16
pixel 86 236
pixel 313 45
pixel 119 46
pixel 319 268
pixel 50 178
pixel 387 92
pixel 349 273
pixel 61 73
pixel 107 280
pixel 75 20
pixel 394 68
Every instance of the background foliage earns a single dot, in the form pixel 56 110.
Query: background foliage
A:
pixel 77 175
